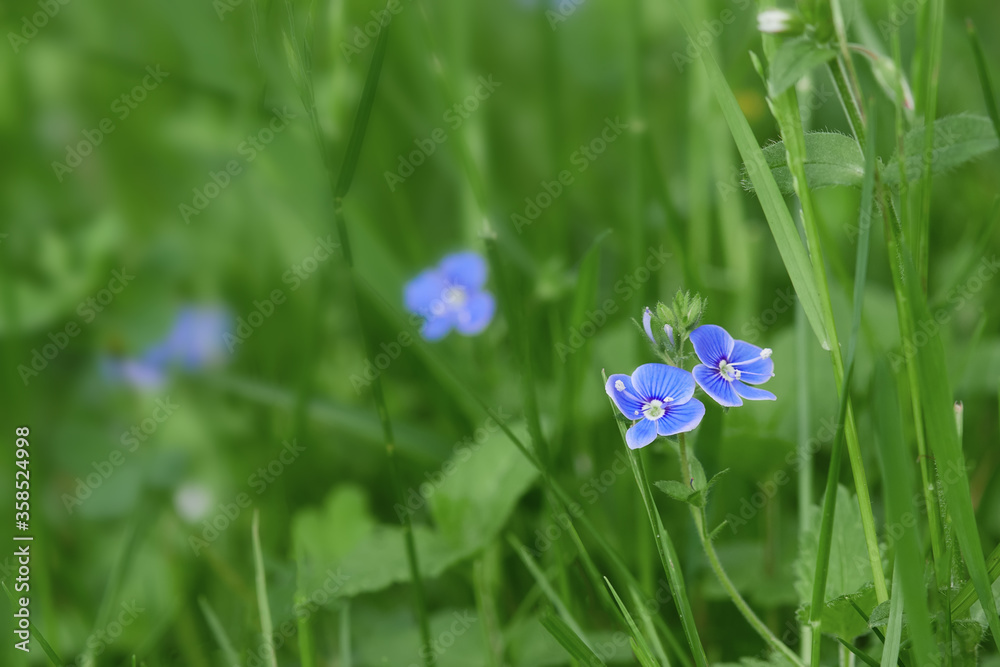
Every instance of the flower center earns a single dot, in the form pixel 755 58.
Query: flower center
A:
pixel 655 408
pixel 729 371
pixel 453 298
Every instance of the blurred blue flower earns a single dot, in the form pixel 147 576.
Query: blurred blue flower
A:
pixel 195 341
pixel 659 399
pixel 451 296
pixel 728 366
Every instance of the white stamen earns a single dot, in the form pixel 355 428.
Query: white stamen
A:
pixel 619 385
pixel 765 353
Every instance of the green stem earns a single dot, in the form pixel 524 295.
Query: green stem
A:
pixel 698 513
pixel 790 123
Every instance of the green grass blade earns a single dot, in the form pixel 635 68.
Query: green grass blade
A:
pixel 967 596
pixel 570 640
pixel 833 474
pixel 939 417
pixel 665 548
pixel 639 645
pixel 35 632
pixel 263 606
pixel 899 484
pixel 360 127
pixel 786 236
pixel 985 80
pixel 864 657
pixel 894 630
pixel 544 584
pixel 219 632
pixel 345 634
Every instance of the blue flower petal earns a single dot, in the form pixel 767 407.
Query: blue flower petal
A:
pixel 139 373
pixel 626 399
pixel 712 344
pixel 477 313
pixel 423 291
pixel 197 337
pixel 753 368
pixel 681 418
pixel 436 328
pixel 647 318
pixel 669 330
pixel 659 381
pixel 719 389
pixel 466 269
pixel 752 393
pixel 641 434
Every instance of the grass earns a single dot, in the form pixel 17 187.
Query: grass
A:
pixel 470 502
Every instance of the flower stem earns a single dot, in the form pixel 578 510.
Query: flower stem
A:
pixel 698 513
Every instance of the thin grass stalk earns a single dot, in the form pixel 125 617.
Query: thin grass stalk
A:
pixel 340 187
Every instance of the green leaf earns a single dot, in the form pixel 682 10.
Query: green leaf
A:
pixel 957 140
pixel 849 569
pixel 681 492
pixel 839 617
pixel 832 159
pixel 569 640
pixel 793 60
pixel 470 500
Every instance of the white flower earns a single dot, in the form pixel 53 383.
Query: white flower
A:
pixel 191 501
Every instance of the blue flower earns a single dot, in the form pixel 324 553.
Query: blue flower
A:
pixel 195 340
pixel 197 337
pixel 148 371
pixel 659 399
pixel 451 296
pixel 728 366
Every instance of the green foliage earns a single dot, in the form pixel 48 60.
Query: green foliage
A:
pixel 794 60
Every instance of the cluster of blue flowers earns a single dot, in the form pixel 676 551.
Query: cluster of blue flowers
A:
pixel 194 341
pixel 451 296
pixel 659 398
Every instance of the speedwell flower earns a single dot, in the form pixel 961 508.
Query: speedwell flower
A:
pixel 659 399
pixel 451 296
pixel 728 366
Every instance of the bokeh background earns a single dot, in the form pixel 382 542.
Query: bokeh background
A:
pixel 162 187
